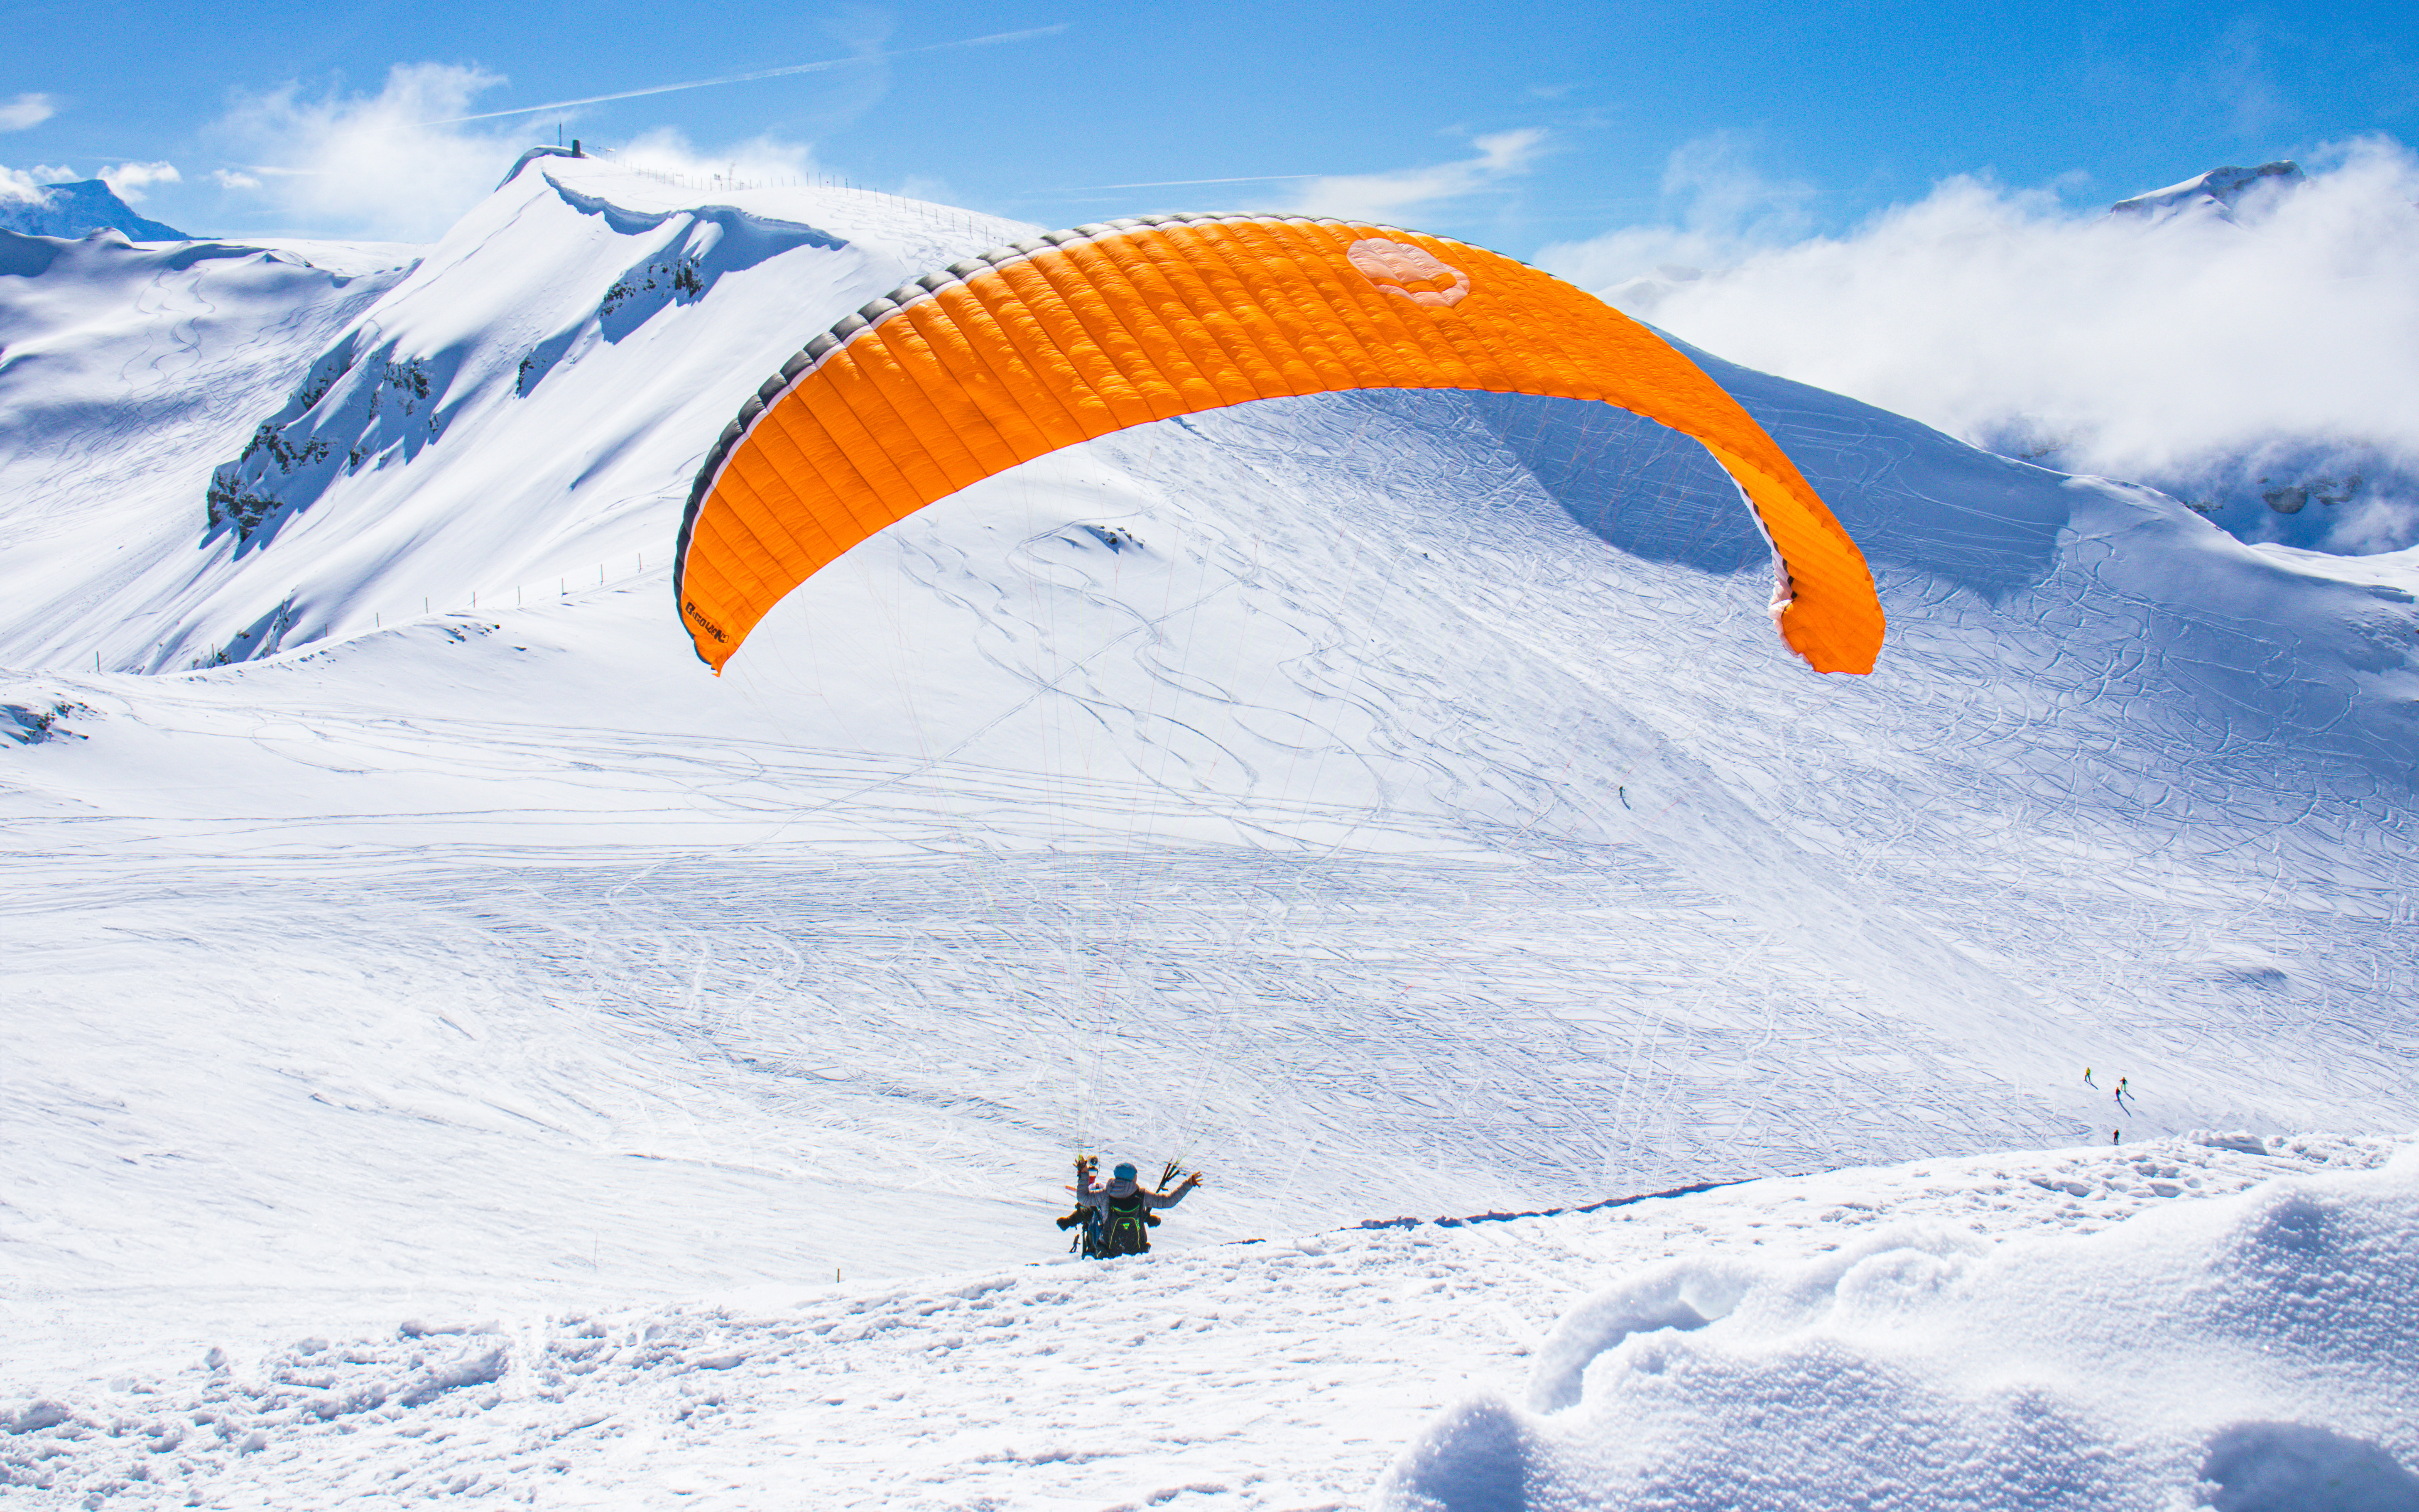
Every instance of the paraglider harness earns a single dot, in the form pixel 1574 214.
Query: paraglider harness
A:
pixel 1124 1228
pixel 1121 1232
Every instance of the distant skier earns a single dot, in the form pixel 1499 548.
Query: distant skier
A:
pixel 2120 1091
pixel 2115 1137
pixel 1123 1209
pixel 2087 1081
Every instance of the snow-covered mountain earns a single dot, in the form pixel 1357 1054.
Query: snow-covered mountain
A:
pixel 1393 803
pixel 79 209
pixel 397 427
pixel 2326 491
pixel 2220 192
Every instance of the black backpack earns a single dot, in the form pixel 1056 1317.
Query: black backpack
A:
pixel 1128 1222
pixel 1093 1242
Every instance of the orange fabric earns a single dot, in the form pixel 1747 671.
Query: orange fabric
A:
pixel 1143 322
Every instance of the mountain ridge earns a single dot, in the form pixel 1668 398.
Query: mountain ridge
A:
pixel 75 209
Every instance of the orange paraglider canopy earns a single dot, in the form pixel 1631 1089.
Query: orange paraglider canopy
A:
pixel 1002 359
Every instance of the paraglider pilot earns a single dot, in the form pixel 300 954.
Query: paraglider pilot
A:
pixel 1117 1217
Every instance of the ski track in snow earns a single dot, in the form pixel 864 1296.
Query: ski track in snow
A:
pixel 1263 1375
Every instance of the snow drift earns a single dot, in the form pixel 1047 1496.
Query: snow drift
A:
pixel 2252 1355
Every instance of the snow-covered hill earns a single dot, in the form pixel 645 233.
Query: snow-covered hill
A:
pixel 1393 803
pixel 2208 1318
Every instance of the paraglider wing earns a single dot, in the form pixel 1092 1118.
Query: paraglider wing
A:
pixel 1002 359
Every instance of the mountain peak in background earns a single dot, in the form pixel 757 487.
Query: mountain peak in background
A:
pixel 2222 189
pixel 79 209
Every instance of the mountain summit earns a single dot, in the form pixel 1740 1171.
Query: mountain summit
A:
pixel 79 209
pixel 2224 189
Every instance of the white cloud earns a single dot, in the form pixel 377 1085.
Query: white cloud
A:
pixel 2172 349
pixel 24 110
pixel 127 181
pixel 398 166
pixel 367 165
pixel 762 160
pixel 931 191
pixel 26 183
pixel 1719 209
pixel 1380 196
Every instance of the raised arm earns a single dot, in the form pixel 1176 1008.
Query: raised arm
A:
pixel 1169 1199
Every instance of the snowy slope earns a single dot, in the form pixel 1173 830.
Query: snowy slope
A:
pixel 121 367
pixel 1395 803
pixel 520 400
pixel 495 355
pixel 2100 1329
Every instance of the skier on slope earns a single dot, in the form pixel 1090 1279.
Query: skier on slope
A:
pixel 1120 1214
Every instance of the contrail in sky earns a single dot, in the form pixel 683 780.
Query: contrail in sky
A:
pixel 823 67
pixel 1184 183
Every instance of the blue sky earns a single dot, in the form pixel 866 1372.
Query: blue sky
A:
pixel 1515 125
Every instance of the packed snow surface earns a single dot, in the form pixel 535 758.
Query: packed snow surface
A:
pixel 2211 1321
pixel 1390 803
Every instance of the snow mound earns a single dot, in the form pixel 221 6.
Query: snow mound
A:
pixel 2253 1354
